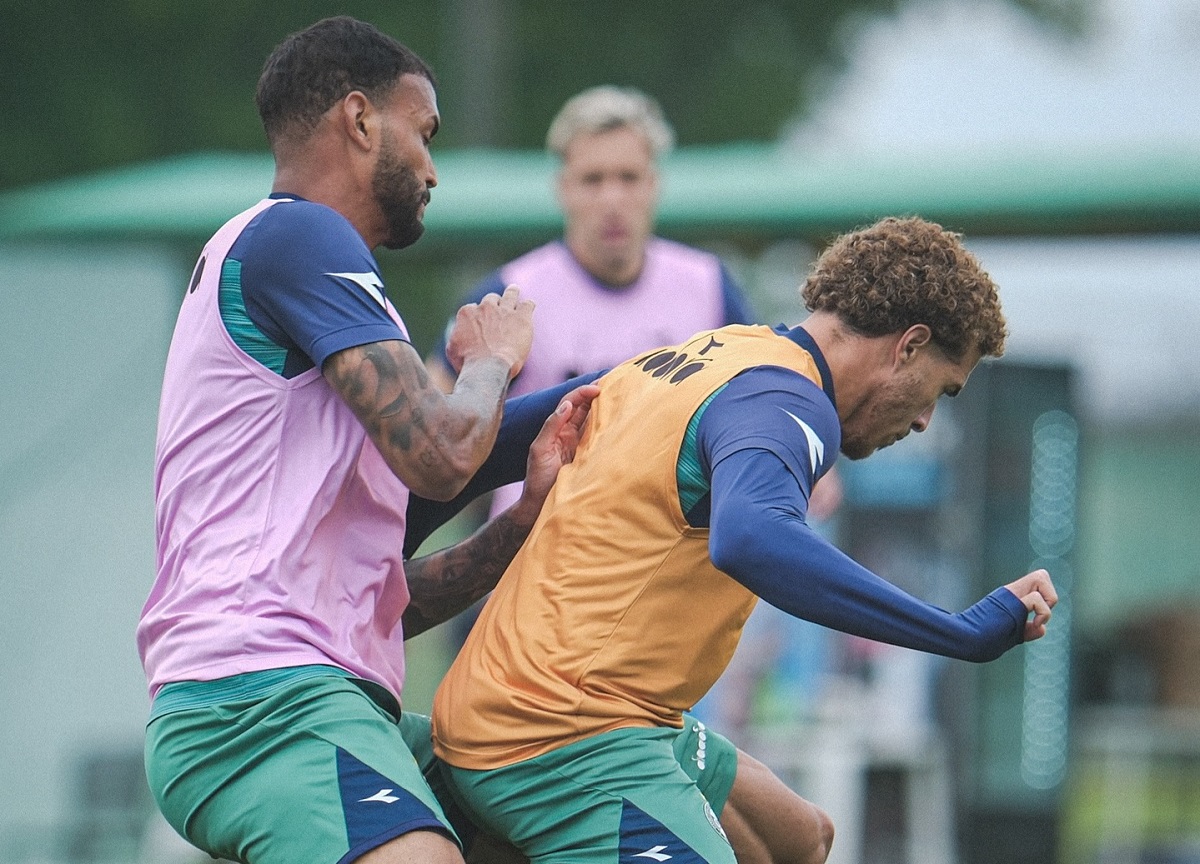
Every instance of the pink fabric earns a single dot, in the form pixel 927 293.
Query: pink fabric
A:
pixel 581 325
pixel 280 527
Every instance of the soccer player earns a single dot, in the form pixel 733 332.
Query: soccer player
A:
pixel 609 289
pixel 563 718
pixel 295 420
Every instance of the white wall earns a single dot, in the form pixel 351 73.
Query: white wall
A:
pixel 977 77
pixel 1124 311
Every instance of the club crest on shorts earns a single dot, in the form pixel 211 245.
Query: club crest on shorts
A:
pixel 714 821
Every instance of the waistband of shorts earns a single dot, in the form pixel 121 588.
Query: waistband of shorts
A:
pixel 184 695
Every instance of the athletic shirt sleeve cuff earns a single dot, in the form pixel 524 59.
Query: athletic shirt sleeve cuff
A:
pixel 350 337
pixel 1011 604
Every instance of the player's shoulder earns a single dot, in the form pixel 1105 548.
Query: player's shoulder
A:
pixel 675 262
pixel 552 254
pixel 769 389
pixel 673 251
pixel 543 272
pixel 298 234
pixel 760 381
pixel 307 220
pixel 777 409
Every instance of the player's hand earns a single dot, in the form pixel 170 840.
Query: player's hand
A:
pixel 1037 593
pixel 553 448
pixel 497 326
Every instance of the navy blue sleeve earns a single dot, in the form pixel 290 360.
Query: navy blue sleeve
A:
pixel 759 537
pixel 309 281
pixel 737 307
pixel 523 419
pixel 491 284
pixel 778 410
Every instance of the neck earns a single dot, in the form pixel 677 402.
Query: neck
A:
pixel 617 273
pixel 855 361
pixel 306 173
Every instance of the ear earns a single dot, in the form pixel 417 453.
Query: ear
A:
pixel 911 343
pixel 357 119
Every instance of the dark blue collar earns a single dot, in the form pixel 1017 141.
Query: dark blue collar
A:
pixel 802 338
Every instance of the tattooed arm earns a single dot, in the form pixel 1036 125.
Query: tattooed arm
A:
pixel 445 583
pixel 435 442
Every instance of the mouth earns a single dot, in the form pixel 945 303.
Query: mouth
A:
pixel 614 234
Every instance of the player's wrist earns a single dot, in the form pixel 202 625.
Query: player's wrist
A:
pixel 524 512
pixel 489 363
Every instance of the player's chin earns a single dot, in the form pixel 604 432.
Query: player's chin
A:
pixel 406 236
pixel 855 450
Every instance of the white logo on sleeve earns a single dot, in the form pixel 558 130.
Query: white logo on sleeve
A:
pixel 369 282
pixel 656 853
pixel 816 447
pixel 384 796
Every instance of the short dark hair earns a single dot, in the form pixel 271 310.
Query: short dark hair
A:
pixel 905 271
pixel 311 70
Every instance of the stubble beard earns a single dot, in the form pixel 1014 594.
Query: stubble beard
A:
pixel 399 195
pixel 890 403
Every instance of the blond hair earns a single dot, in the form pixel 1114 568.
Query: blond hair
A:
pixel 607 107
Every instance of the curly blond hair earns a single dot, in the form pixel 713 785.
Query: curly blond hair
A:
pixel 905 271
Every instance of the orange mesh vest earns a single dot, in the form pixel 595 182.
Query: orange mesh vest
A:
pixel 612 614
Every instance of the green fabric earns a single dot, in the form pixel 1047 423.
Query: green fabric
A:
pixel 712 768
pixel 234 688
pixel 256 779
pixel 238 324
pixel 689 478
pixel 567 805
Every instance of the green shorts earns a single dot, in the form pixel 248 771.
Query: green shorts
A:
pixel 625 795
pixel 291 765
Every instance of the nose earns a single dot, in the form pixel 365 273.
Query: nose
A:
pixel 614 191
pixel 922 421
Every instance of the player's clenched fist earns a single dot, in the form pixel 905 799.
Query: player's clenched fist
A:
pixel 1037 593
pixel 496 326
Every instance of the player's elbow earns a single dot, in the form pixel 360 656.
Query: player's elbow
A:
pixel 439 475
pixel 441 482
pixel 731 547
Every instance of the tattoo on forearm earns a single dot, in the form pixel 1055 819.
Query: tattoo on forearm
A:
pixel 379 387
pixel 430 439
pixel 445 583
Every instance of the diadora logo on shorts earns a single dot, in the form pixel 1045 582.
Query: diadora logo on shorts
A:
pixel 655 854
pixel 383 796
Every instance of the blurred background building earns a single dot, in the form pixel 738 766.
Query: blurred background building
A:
pixel 1065 144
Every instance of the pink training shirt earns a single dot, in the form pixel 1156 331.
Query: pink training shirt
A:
pixel 280 527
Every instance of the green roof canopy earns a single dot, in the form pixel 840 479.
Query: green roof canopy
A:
pixel 748 192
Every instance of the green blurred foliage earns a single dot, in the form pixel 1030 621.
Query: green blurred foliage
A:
pixel 93 85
